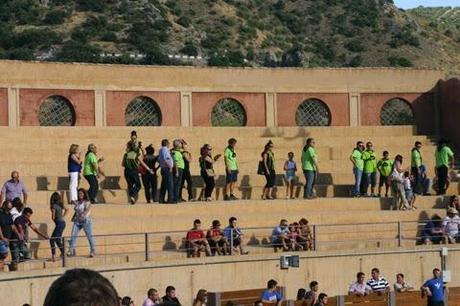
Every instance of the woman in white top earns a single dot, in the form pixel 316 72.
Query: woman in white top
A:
pixel 74 161
pixel 397 183
pixel 82 220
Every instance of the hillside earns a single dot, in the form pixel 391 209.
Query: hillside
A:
pixel 307 33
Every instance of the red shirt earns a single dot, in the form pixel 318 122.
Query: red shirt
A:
pixel 215 232
pixel 195 234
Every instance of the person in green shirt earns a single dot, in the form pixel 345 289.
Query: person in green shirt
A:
pixel 178 168
pixel 309 161
pixel 444 160
pixel 416 163
pixel 369 170
pixel 231 169
pixel 92 171
pixel 356 158
pixel 385 167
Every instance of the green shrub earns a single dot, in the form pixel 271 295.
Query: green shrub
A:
pixel 399 61
pixel 21 54
pixel 55 16
pixel 189 49
pixel 184 21
pixel 74 51
pixel 355 45
pixel 98 6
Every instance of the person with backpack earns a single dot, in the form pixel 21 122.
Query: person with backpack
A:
pixel 310 168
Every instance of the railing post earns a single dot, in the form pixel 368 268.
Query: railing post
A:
pixel 64 257
pixel 315 245
pixel 399 233
pixel 147 248
pixel 231 241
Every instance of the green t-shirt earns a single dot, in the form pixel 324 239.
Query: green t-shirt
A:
pixel 90 167
pixel 442 156
pixel 178 159
pixel 357 156
pixel 370 162
pixel 385 167
pixel 130 160
pixel 230 157
pixel 308 157
pixel 416 159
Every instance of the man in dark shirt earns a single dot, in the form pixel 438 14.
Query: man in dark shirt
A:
pixel 170 298
pixel 7 230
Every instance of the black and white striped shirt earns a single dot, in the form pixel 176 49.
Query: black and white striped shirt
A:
pixel 379 285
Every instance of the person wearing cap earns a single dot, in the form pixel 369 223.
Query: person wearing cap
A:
pixel 178 169
pixel 216 239
pixel 450 225
pixel 231 169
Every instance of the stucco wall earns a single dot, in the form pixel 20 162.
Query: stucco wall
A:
pixel 117 101
pixel 31 99
pixel 449 100
pixel 3 107
pixel 287 104
pixel 203 103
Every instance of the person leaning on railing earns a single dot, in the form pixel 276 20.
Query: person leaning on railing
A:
pixel 401 285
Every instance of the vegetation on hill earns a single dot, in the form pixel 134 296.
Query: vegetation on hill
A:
pixel 271 33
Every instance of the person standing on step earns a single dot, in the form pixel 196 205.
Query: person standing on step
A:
pixel 397 184
pixel 186 174
pixel 150 179
pixel 310 168
pixel 92 171
pixel 131 162
pixel 137 144
pixel 385 167
pixel 178 169
pixel 268 158
pixel 58 212
pixel 444 160
pixel 290 167
pixel 14 188
pixel 433 289
pixel 369 171
pixel 207 170
pixel 358 166
pixel 231 169
pixel 415 164
pixel 74 162
pixel 166 165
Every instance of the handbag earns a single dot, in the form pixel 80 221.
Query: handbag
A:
pixel 210 172
pixel 261 168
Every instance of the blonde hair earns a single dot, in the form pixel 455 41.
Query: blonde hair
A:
pixel 73 148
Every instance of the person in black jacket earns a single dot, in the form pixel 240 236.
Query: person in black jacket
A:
pixel 170 298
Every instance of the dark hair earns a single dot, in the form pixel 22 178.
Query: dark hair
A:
pixel 257 303
pixel 385 153
pixel 359 274
pixel 322 296
pixel 169 289
pixel 452 198
pixel 81 287
pixel 359 143
pixel 375 270
pixel 301 294
pixel 283 220
pixel 417 143
pixel 151 291
pixel 313 284
pixel 291 153
pixel 126 301
pixel 164 142
pixel 309 140
pixel 400 274
pixel 197 221
pixel 436 270
pixel 149 150
pixel 18 204
pixel 267 146
pixel 232 219
pixel 437 220
pixel 56 199
pixel 5 203
pixel 406 173
pixel 231 141
pixel 271 284
pixel 399 158
pixel 368 143
pixel 85 194
pixel 133 133
pixel 441 144
pixel 215 222
pixel 303 221
pixel 27 210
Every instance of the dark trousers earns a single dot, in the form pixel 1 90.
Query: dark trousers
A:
pixel 150 186
pixel 19 251
pixel 442 173
pixel 417 185
pixel 187 177
pixel 435 303
pixel 56 237
pixel 270 178
pixel 209 183
pixel 177 185
pixel 93 187
pixel 134 184
pixel 166 185
pixel 366 180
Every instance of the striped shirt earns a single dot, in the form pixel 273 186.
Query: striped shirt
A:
pixel 378 285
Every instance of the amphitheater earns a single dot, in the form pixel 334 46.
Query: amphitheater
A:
pixel 44 107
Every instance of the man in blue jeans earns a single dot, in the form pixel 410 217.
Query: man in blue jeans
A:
pixel 433 289
pixel 358 166
pixel 166 165
pixel 310 168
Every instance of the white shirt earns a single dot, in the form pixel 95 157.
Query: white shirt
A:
pixel 15 213
pixel 407 184
pixel 148 302
pixel 450 225
pixel 359 288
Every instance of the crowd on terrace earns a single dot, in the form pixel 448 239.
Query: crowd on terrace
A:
pixel 81 286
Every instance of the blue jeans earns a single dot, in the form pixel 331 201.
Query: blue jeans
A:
pixel 56 237
pixel 87 226
pixel 166 186
pixel 310 178
pixel 358 176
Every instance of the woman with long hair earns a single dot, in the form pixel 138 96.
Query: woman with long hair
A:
pixel 82 220
pixel 207 170
pixel 201 298
pixel 74 162
pixel 397 183
pixel 268 158
pixel 58 212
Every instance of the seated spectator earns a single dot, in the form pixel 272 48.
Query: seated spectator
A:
pixel 313 294
pixel 453 203
pixel 170 298
pixel 322 300
pixel 81 287
pixel 305 237
pixel 450 225
pixel 271 295
pixel 127 301
pixel 433 231
pixel 196 240
pixel 201 298
pixel 377 283
pixel 153 298
pixel 22 223
pixel 401 285
pixel 216 239
pixel 359 288
pixel 301 294
pixel 280 236
pixel 13 188
pixel 294 234
pixel 234 236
